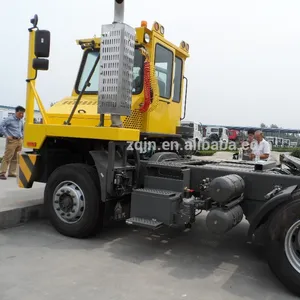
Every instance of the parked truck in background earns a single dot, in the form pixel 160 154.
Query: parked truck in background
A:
pixel 194 130
pixel 3 115
pixel 233 134
pixel 215 133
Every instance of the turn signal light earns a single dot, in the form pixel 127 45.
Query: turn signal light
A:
pixel 31 144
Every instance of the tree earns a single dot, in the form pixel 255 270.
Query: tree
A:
pixel 263 125
pixel 274 126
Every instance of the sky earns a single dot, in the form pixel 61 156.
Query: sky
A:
pixel 244 65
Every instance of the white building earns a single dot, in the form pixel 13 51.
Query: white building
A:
pixel 6 111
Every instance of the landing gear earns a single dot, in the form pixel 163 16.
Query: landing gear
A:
pixel 73 201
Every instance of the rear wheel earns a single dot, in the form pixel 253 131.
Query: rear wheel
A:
pixel 73 201
pixel 283 244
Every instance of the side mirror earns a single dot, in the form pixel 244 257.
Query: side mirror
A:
pixel 42 43
pixel 40 64
pixel 41 49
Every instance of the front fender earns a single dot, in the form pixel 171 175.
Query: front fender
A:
pixel 107 162
pixel 258 218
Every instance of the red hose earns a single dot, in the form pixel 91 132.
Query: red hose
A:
pixel 147 87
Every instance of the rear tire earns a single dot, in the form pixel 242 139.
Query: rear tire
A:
pixel 73 200
pixel 283 244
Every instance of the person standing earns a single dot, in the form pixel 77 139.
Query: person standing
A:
pixel 246 146
pixel 261 148
pixel 13 130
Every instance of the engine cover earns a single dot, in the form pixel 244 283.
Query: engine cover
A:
pixel 226 188
pixel 220 221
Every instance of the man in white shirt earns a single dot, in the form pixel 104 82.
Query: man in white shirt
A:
pixel 260 147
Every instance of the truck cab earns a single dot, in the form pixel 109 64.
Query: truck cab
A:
pixel 233 134
pixel 286 142
pixel 197 132
pixel 275 141
pixel 217 134
pixel 158 115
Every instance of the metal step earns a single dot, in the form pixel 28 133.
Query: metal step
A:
pixel 160 192
pixel 173 165
pixel 146 223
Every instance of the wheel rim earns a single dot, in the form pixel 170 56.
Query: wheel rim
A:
pixel 292 246
pixel 69 202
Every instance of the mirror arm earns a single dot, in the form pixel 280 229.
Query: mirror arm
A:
pixel 34 22
pixel 35 76
pixel 33 27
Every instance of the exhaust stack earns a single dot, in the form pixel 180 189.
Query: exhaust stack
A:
pixel 116 68
pixel 119 11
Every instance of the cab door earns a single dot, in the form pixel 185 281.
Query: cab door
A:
pixel 160 120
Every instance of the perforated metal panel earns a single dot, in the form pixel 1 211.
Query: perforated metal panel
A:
pixel 134 121
pixel 116 69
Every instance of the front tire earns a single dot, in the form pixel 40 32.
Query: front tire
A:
pixel 283 244
pixel 73 200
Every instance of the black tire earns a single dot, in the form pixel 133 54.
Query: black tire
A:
pixel 278 226
pixel 86 177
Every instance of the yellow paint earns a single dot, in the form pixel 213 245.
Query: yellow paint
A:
pixel 37 133
pixel 32 158
pixel 162 118
pixel 20 184
pixel 30 74
pixel 39 102
pixel 25 169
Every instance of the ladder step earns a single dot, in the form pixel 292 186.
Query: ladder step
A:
pixel 146 223
pixel 158 192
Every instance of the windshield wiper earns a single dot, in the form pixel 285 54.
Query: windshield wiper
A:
pixel 86 84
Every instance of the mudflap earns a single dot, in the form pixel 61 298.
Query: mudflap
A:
pixel 264 211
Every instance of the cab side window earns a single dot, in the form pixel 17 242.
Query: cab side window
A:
pixel 177 80
pixel 164 70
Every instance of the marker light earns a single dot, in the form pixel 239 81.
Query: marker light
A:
pixel 144 24
pixel 156 26
pixel 185 46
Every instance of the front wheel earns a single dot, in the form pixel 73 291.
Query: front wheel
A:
pixel 283 244
pixel 73 201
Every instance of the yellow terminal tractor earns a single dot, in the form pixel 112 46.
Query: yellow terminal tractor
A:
pixel 131 88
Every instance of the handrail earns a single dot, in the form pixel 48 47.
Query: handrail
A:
pixel 185 100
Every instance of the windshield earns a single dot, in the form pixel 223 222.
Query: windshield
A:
pixel 87 64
